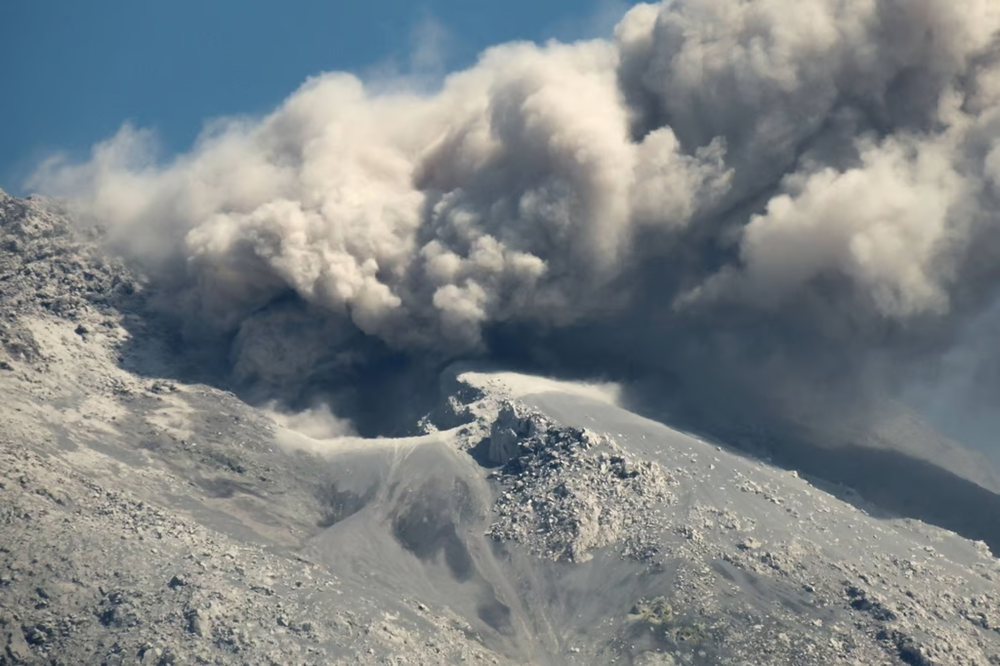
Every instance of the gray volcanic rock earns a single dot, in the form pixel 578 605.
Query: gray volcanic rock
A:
pixel 566 493
pixel 149 518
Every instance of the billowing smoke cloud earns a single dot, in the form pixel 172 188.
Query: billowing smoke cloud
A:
pixel 316 422
pixel 769 195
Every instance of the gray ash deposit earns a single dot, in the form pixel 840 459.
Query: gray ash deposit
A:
pixel 592 354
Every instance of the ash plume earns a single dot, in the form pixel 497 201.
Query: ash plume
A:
pixel 767 198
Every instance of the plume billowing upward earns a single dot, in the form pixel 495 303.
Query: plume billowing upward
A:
pixel 808 190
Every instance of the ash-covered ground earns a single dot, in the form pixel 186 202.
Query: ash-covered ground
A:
pixel 150 515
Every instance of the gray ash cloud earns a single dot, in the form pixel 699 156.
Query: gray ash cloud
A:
pixel 769 197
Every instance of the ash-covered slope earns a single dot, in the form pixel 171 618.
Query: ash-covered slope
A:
pixel 151 518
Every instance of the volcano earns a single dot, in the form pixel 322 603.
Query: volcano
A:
pixel 155 510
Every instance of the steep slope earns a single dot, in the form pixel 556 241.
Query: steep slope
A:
pixel 148 517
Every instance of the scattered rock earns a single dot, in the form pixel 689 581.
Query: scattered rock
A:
pixel 195 623
pixel 38 634
pixel 566 492
pixel 150 656
pixel 16 647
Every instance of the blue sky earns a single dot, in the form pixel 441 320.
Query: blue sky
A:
pixel 73 71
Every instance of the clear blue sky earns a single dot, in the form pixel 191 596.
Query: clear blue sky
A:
pixel 72 71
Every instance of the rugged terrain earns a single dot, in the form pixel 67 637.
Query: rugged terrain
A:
pixel 149 515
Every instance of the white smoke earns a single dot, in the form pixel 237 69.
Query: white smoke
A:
pixel 317 422
pixel 832 165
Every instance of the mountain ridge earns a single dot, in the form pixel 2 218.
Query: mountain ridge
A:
pixel 150 517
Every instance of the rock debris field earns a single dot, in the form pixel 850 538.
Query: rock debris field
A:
pixel 567 492
pixel 149 515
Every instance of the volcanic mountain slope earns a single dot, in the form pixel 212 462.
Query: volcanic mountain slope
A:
pixel 149 518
